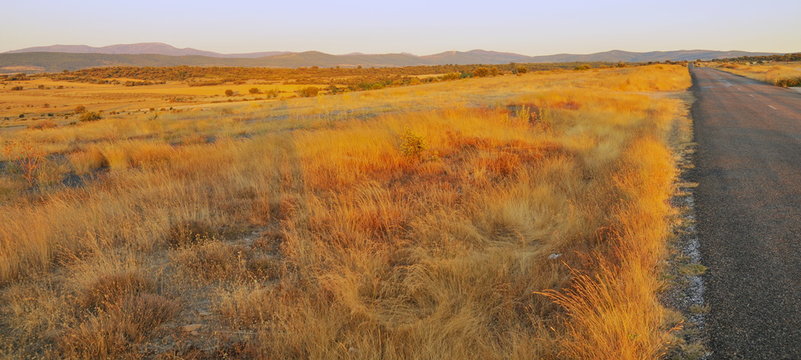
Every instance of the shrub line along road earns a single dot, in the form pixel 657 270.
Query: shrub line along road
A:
pixel 749 214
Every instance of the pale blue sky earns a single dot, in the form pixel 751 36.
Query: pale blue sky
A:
pixel 419 27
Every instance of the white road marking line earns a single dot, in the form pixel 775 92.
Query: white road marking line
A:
pixel 771 106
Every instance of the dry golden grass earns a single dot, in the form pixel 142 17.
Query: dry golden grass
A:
pixel 780 74
pixel 44 96
pixel 424 222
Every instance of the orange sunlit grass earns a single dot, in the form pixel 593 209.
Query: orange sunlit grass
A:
pixel 508 217
pixel 781 74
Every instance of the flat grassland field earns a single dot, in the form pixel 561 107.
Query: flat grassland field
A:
pixel 504 217
pixel 783 74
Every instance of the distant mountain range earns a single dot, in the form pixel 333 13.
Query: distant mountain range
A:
pixel 152 48
pixel 72 57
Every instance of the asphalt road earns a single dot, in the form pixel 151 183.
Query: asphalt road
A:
pixel 748 167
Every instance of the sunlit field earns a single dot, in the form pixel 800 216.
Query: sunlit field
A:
pixel 508 217
pixel 783 74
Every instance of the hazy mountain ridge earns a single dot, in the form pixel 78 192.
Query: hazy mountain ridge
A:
pixel 73 57
pixel 152 48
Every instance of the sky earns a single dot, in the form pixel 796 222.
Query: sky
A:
pixel 412 26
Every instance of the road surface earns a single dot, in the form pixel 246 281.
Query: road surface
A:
pixel 749 214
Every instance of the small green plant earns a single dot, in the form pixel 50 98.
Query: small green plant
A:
pixel 90 116
pixel 412 145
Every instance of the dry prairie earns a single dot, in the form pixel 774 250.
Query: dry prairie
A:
pixel 781 74
pixel 494 218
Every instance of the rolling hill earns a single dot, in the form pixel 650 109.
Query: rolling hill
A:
pixel 73 57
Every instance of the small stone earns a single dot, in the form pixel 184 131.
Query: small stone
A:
pixel 554 256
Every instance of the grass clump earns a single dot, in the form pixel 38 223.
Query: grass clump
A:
pixel 117 332
pixel 412 145
pixel 90 116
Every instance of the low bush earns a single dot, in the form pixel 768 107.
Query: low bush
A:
pixel 310 91
pixel 788 82
pixel 272 94
pixel 90 116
